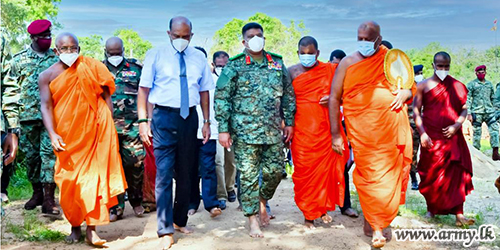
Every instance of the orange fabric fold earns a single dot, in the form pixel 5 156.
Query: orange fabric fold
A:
pixel 89 172
pixel 381 140
pixel 318 171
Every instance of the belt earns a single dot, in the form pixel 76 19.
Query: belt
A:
pixel 170 109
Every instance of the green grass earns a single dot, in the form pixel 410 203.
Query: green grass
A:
pixel 486 147
pixel 33 229
pixel 19 187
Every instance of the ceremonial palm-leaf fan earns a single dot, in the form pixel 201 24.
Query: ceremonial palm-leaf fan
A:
pixel 398 69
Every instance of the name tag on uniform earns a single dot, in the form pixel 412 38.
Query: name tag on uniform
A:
pixel 129 73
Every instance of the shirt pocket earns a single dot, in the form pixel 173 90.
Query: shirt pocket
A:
pixel 275 80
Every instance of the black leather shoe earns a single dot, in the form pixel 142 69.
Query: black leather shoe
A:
pixel 222 204
pixel 231 196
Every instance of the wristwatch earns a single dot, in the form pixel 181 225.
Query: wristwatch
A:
pixel 16 131
pixel 206 121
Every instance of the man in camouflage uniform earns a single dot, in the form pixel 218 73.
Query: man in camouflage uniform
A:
pixel 127 73
pixel 418 69
pixel 9 137
pixel 480 101
pixel 35 143
pixel 251 89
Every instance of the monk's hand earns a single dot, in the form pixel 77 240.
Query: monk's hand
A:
pixel 324 101
pixel 338 144
pixel 401 96
pixel 288 134
pixel 469 117
pixel 57 142
pixel 225 140
pixel 9 148
pixel 145 133
pixel 449 131
pixel 206 132
pixel 426 141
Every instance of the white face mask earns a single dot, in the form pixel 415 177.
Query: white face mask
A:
pixel 367 48
pixel 68 58
pixel 442 74
pixel 115 60
pixel 180 44
pixel 419 78
pixel 256 44
pixel 218 70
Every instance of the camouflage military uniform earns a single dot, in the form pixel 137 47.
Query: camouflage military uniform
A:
pixel 34 142
pixel 480 101
pixel 248 99
pixel 127 76
pixel 416 143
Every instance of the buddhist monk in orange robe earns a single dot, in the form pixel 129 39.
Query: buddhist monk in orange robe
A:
pixel 445 165
pixel 77 112
pixel 318 170
pixel 378 128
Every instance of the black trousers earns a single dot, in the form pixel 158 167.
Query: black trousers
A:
pixel 176 151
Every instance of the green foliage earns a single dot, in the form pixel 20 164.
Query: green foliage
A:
pixel 463 61
pixel 19 186
pixel 135 46
pixel 33 229
pixel 92 46
pixel 280 39
pixel 17 14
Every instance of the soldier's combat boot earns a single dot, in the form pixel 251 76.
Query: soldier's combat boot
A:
pixel 495 156
pixel 49 204
pixel 36 199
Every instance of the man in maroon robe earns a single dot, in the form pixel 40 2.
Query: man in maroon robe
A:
pixel 445 165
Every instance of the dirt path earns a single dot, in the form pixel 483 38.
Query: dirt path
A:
pixel 285 232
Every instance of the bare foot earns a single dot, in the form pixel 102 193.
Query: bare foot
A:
pixel 351 213
pixel 463 221
pixel 367 229
pixel 255 231
pixel 166 241
pixel 326 218
pixel 92 238
pixel 309 224
pixel 74 237
pixel 264 217
pixel 378 240
pixel 191 212
pixel 139 211
pixel 214 212
pixel 185 230
pixel 497 184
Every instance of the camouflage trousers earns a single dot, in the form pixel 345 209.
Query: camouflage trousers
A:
pixel 477 122
pixel 251 159
pixel 132 154
pixel 38 154
pixel 416 144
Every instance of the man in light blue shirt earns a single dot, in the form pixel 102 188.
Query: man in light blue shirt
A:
pixel 175 78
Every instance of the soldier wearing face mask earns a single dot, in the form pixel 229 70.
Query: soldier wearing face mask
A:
pixel 418 69
pixel 480 100
pixel 127 73
pixel 23 71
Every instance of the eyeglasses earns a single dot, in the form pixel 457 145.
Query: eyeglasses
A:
pixel 67 49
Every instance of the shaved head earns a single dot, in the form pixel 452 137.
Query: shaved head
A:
pixel 66 37
pixel 370 26
pixel 442 56
pixel 114 42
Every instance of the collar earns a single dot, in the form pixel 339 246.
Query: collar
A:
pixel 32 53
pixel 485 81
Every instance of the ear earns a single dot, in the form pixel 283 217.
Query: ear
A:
pixel 55 51
pixel 317 54
pixel 78 50
pixel 243 42
pixel 298 52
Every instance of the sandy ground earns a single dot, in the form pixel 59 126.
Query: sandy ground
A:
pixel 229 231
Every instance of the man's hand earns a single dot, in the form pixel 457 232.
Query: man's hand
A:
pixel 469 117
pixel 324 101
pixel 145 132
pixel 225 140
pixel 449 131
pixel 338 144
pixel 206 132
pixel 10 147
pixel 288 134
pixel 402 96
pixel 426 141
pixel 57 142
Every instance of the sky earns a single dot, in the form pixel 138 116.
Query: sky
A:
pixel 406 24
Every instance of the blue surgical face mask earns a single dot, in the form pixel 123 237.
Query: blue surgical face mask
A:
pixel 307 60
pixel 367 48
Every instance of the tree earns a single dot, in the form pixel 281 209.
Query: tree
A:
pixel 92 46
pixel 17 14
pixel 135 46
pixel 280 39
